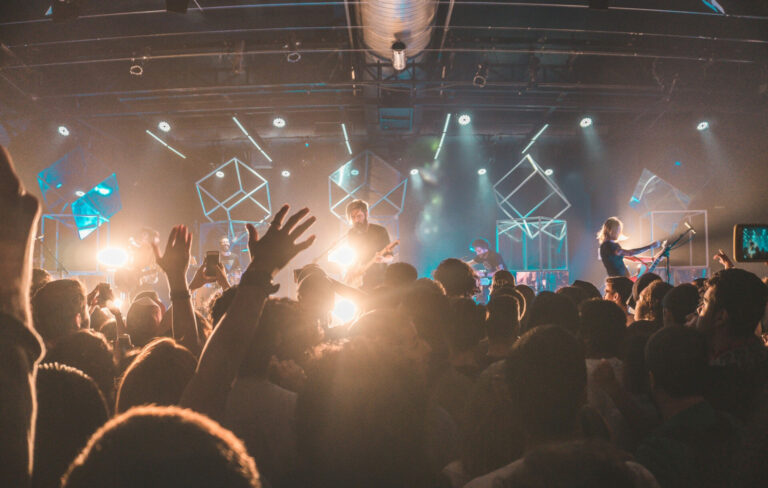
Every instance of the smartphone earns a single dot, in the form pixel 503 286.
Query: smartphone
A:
pixel 211 263
pixel 750 243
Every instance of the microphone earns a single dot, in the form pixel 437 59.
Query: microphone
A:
pixel 689 227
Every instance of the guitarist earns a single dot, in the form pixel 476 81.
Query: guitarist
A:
pixel 611 252
pixel 367 240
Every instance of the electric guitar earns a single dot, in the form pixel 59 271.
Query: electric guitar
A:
pixel 354 276
pixel 665 247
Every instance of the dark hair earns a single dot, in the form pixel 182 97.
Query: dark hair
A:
pixel 89 352
pixel 681 301
pixel 633 356
pixel 400 274
pixel 465 326
pixel 649 306
pixel 220 304
pixel 140 321
pixel 621 285
pixel 574 293
pixel 480 242
pixel 743 296
pixel 677 358
pixel 356 205
pixel 162 447
pixel 360 419
pixel 592 291
pixel 603 325
pixel 547 378
pixel 553 309
pixel 40 278
pixel 55 308
pixel 70 408
pixel 457 277
pixel 158 375
pixel 639 285
pixel 503 277
pixel 427 307
pixel 503 318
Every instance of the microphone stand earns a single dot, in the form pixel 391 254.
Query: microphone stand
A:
pixel 669 248
pixel 60 269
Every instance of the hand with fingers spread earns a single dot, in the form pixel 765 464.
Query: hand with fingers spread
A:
pixel 175 260
pixel 278 246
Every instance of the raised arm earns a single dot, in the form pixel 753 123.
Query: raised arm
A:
pixel 20 347
pixel 174 262
pixel 638 250
pixel 227 346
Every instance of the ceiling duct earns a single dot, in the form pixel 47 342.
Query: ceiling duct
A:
pixel 388 21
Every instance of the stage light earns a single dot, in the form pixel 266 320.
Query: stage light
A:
pixel 414 172
pixel 355 172
pixel 398 55
pixel 549 172
pixel 165 144
pixel 482 171
pixel 219 174
pixel 117 303
pixel 442 137
pixel 703 125
pixel 245 132
pixel 346 138
pixel 586 122
pixel 278 122
pixel 112 257
pixel 164 126
pixel 678 163
pixel 464 119
pixel 103 190
pixel 344 310
pixel 79 193
pixel 63 130
pixel 286 173
pixel 344 255
pixel 481 76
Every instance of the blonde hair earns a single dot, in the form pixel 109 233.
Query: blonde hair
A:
pixel 610 226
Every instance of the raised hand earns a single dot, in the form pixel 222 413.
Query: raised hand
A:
pixel 175 260
pixel 201 278
pixel 278 246
pixel 722 258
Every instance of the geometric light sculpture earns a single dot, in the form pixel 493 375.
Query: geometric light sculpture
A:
pixel 242 194
pixel 96 206
pixel 525 191
pixel 655 194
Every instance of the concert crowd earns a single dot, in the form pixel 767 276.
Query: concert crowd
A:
pixel 643 385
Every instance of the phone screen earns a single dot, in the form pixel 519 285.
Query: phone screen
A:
pixel 754 243
pixel 211 263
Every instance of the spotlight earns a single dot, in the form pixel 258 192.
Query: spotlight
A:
pixel 398 55
pixel 481 76
pixel 549 172
pixel 278 122
pixel 585 122
pixel 219 174
pixel 164 126
pixel 344 255
pixel 703 125
pixel 286 173
pixel 481 171
pixel 344 310
pixel 112 257
pixel 464 119
pixel 79 193
pixel 355 172
pixel 63 130
pixel 414 172
pixel 136 69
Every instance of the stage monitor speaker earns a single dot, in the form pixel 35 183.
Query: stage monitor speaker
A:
pixel 178 6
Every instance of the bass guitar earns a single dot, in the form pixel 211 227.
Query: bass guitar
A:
pixel 354 276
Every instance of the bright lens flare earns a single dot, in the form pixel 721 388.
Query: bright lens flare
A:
pixel 344 310
pixel 343 255
pixel 113 257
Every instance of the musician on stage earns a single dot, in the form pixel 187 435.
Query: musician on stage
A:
pixel 611 252
pixel 490 260
pixel 367 240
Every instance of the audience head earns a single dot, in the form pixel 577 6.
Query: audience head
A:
pixel 59 308
pixel 158 375
pixel 547 378
pixel 89 352
pixel 677 359
pixel 152 295
pixel 618 289
pixel 457 277
pixel 40 278
pixel 427 307
pixel 592 291
pixel 360 419
pixel 400 274
pixel 395 331
pixel 502 278
pixel 649 306
pixel 162 447
pixel 465 325
pixel 503 322
pixel 603 324
pixel 575 294
pixel 316 295
pixel 639 285
pixel 550 308
pixel 143 321
pixel 680 302
pixel 734 302
pixel 70 408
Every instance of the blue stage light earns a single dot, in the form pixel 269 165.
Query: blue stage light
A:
pixel 481 171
